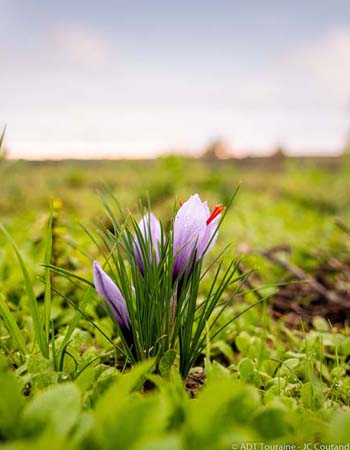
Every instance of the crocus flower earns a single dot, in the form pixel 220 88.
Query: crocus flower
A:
pixel 194 228
pixel 106 288
pixel 150 230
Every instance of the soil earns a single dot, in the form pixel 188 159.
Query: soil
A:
pixel 322 290
pixel 298 301
pixel 195 381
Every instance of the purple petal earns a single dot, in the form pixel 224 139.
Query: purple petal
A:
pixel 150 229
pixel 106 288
pixel 189 228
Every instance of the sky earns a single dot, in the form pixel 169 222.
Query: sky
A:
pixel 96 79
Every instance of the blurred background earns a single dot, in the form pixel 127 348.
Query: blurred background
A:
pixel 160 100
pixel 116 79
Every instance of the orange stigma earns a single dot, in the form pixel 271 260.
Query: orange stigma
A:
pixel 216 211
pixel 180 203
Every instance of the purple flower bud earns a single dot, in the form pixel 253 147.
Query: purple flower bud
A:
pixel 107 289
pixel 194 228
pixel 150 230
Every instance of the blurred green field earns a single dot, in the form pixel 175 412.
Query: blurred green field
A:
pixel 278 200
pixel 265 382
pixel 293 202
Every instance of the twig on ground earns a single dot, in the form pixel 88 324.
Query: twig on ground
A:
pixel 342 225
pixel 299 273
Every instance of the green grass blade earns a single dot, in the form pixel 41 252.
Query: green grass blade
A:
pixel 2 136
pixel 78 315
pixel 67 274
pixel 48 253
pixel 12 326
pixel 33 305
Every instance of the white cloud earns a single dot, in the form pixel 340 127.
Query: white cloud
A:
pixel 83 46
pixel 325 64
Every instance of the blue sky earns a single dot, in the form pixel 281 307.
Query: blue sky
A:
pixel 111 78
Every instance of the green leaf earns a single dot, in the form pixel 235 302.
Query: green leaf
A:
pixel 339 430
pixel 41 373
pixel 320 324
pixel 11 403
pixel 125 384
pixel 55 410
pixel 225 349
pixel 122 416
pixel 166 362
pixel 272 422
pixel 247 370
pixel 134 422
pixel 162 443
pixel 311 395
pixel 222 407
pixel 243 341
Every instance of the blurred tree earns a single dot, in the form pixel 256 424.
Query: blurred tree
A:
pixel 279 154
pixel 217 149
pixel 346 150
